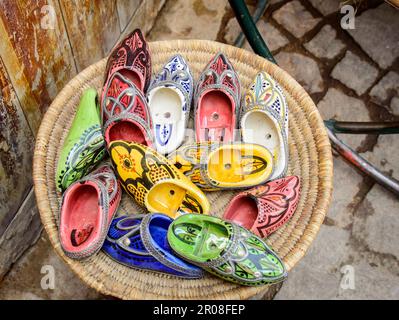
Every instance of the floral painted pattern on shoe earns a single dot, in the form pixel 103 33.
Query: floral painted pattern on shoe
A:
pixel 154 182
pixel 266 208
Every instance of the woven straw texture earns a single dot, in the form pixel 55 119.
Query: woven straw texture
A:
pixel 310 158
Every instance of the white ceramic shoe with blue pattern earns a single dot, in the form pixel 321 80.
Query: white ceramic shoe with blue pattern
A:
pixel 169 99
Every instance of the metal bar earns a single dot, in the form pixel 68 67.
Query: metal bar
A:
pixel 250 30
pixel 362 164
pixel 259 11
pixel 362 127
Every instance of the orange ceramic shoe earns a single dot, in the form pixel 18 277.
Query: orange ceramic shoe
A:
pixel 154 182
pixel 214 166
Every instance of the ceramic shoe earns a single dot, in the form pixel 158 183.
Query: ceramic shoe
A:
pixel 87 209
pixel 225 250
pixel 264 120
pixel 84 145
pixel 215 166
pixel 139 242
pixel 266 208
pixel 125 113
pixel 217 101
pixel 131 58
pixel 154 182
pixel 169 100
pixel 124 110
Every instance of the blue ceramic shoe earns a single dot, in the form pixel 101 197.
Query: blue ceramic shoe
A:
pixel 140 241
pixel 169 99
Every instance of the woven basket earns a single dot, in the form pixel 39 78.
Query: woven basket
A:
pixel 310 158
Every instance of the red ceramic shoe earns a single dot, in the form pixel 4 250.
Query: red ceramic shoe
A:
pixel 87 209
pixel 264 209
pixel 217 101
pixel 131 58
pixel 124 110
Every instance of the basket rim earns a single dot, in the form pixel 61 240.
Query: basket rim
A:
pixel 323 149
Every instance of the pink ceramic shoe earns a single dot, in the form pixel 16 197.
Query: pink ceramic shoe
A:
pixel 217 101
pixel 87 209
pixel 265 208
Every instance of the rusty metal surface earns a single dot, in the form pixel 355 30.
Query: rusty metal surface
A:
pixel 16 151
pixel 362 164
pixel 93 27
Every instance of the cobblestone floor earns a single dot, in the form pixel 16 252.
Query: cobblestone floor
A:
pixel 351 75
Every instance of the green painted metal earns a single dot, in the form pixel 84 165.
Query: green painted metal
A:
pixel 250 30
pixel 259 11
pixel 362 127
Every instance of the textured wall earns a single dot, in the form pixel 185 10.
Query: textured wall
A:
pixel 43 44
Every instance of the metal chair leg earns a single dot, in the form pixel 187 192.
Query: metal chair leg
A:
pixel 362 127
pixel 250 30
pixel 362 164
pixel 259 11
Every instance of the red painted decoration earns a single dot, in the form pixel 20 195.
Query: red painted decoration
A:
pixel 265 208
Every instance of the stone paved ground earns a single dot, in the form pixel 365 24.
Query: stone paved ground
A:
pixel 351 75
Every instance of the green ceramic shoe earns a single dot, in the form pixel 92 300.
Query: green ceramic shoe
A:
pixel 83 148
pixel 225 249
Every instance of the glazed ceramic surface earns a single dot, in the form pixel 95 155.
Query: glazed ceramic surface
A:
pixel 154 182
pixel 125 114
pixel 84 146
pixel 217 101
pixel 214 166
pixel 266 208
pixel 264 120
pixel 139 241
pixel 169 99
pixel 225 249
pixel 87 209
pixel 131 57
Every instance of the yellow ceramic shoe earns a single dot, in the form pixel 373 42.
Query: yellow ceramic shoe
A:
pixel 214 166
pixel 154 182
